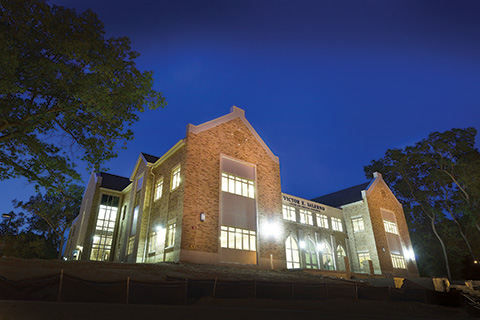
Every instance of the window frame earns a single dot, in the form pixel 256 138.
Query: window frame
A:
pixel 240 186
pixel 306 217
pixel 337 224
pixel 159 190
pixel 175 178
pixel 289 213
pixel 358 224
pixel 322 220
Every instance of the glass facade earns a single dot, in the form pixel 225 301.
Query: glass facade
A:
pixel 104 228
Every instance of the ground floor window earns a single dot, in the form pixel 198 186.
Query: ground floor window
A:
pixel 152 242
pixel 327 257
pixel 398 261
pixel 363 256
pixel 237 238
pixel 341 258
pixel 293 254
pixel 311 259
pixel 170 241
pixel 131 242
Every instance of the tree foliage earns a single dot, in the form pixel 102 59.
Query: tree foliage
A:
pixel 66 92
pixel 51 214
pixel 436 181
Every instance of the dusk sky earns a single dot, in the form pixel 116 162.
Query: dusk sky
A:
pixel 328 85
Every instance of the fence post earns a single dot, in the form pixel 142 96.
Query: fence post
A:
pixel 356 291
pixel 425 295
pixel 60 285
pixel 389 294
pixel 128 289
pixel 326 290
pixel 255 289
pixel 186 292
pixel 293 291
pixel 214 288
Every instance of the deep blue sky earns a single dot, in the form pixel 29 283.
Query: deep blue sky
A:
pixel 328 85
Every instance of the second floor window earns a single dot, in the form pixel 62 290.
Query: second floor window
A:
pixel 358 224
pixel 175 178
pixel 322 221
pixel 337 224
pixel 159 189
pixel 289 213
pixel 306 217
pixel 237 185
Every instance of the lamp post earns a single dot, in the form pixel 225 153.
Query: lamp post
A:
pixel 9 217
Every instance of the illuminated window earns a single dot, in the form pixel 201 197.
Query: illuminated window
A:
pixel 236 238
pixel 341 252
pixel 322 221
pixel 398 261
pixel 306 217
pixel 293 254
pixel 237 185
pixel 311 259
pixel 337 224
pixel 289 213
pixel 170 235
pixel 327 257
pixel 358 224
pixel 104 228
pixel 159 188
pixel 152 242
pixel 390 227
pixel 131 242
pixel 363 256
pixel 175 182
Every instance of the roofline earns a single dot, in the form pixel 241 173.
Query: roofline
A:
pixel 235 112
pixel 170 152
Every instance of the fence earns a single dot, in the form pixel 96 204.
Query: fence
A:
pixel 66 288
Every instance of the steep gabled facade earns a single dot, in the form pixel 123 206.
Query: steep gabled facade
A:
pixel 215 197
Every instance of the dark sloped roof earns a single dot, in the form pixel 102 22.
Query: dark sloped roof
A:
pixel 113 182
pixel 343 197
pixel 150 158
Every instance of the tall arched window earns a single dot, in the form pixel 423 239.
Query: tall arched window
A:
pixel 341 258
pixel 327 257
pixel 293 254
pixel 311 259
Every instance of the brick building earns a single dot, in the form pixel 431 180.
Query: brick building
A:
pixel 215 197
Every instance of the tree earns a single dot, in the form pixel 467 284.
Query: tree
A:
pixel 436 180
pixel 66 92
pixel 53 213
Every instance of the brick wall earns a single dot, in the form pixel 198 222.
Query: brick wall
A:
pixel 202 185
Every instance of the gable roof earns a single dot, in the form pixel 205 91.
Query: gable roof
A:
pixel 343 197
pixel 113 182
pixel 235 112
pixel 149 157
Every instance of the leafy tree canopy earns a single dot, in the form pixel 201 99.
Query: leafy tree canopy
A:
pixel 436 180
pixel 66 92
pixel 50 215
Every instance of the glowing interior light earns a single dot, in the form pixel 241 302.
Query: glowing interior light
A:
pixel 302 244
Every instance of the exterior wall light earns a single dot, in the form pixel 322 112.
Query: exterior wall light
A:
pixel 272 229
pixel 202 216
